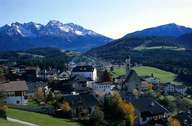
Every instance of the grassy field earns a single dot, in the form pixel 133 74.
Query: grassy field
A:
pixel 118 71
pixel 164 76
pixel 40 119
pixel 140 48
pixel 7 123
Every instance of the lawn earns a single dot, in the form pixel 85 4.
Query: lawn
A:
pixel 7 123
pixel 140 48
pixel 40 119
pixel 118 71
pixel 164 76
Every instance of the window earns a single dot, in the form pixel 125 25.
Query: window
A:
pixel 17 102
pixel 11 93
pixel 18 93
pixel 25 97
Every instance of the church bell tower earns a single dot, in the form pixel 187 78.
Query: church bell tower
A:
pixel 128 64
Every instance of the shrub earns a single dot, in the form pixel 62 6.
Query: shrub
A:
pixel 174 122
pixel 3 111
pixel 97 117
pixel 118 110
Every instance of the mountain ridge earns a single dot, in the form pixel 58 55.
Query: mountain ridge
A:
pixel 140 45
pixel 169 30
pixel 20 36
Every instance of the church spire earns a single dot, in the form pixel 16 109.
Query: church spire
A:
pixel 128 64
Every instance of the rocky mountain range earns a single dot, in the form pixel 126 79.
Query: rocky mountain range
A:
pixel 18 36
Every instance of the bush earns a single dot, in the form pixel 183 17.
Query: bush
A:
pixel 3 114
pixel 3 111
pixel 97 117
pixel 118 111
pixel 62 114
pixel 174 122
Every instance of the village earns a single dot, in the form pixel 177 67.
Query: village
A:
pixel 84 91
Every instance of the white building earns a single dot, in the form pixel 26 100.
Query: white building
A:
pixel 179 89
pixel 89 72
pixel 14 92
pixel 103 88
pixel 47 74
pixel 152 80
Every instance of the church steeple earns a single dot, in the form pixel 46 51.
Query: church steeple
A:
pixel 128 64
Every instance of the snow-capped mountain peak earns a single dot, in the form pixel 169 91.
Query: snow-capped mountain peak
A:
pixel 12 30
pixel 54 23
pixel 33 25
pixel 23 30
pixel 52 28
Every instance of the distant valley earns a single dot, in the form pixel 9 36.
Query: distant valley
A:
pixel 170 37
pixel 168 47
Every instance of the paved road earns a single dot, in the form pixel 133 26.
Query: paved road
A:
pixel 21 122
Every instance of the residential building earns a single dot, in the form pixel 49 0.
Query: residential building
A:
pixel 175 89
pixel 148 110
pixel 14 92
pixel 33 87
pixel 185 118
pixel 145 86
pixel 64 75
pixel 81 104
pixel 89 72
pixel 152 80
pixel 103 88
pixel 75 83
pixel 50 74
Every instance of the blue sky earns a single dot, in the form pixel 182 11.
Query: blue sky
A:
pixel 113 18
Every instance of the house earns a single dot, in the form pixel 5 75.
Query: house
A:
pixel 14 92
pixel 80 83
pixel 152 80
pixel 75 83
pixel 185 118
pixel 33 86
pixel 64 75
pixel 81 104
pixel 30 73
pixel 148 110
pixel 19 70
pixel 120 79
pixel 181 89
pixel 47 74
pixel 87 71
pixel 132 82
pixel 103 88
pixel 175 89
pixel 145 86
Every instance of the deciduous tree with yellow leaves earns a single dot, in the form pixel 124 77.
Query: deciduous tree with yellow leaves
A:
pixel 40 95
pixel 66 107
pixel 174 122
pixel 121 110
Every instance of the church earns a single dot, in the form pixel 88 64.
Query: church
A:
pixel 132 81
